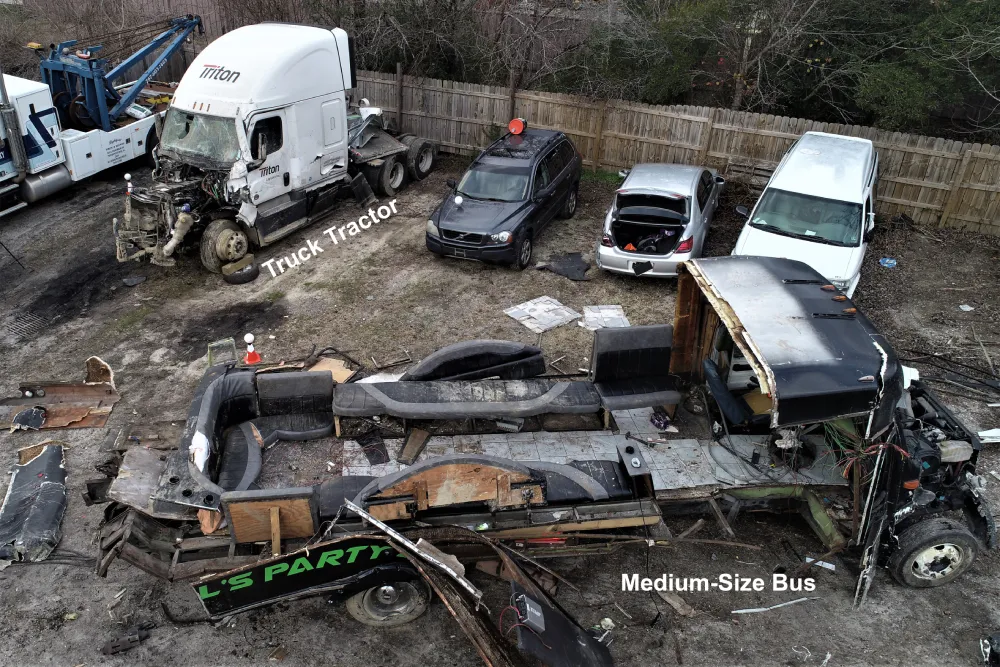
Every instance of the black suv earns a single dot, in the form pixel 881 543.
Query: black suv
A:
pixel 508 195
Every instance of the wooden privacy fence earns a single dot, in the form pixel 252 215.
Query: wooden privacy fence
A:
pixel 934 181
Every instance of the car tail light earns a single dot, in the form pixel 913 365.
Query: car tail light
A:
pixel 607 242
pixel 686 246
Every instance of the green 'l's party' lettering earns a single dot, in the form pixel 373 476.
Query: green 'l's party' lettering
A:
pixel 378 550
pixel 330 558
pixel 300 565
pixel 272 570
pixel 240 581
pixel 204 594
pixel 354 551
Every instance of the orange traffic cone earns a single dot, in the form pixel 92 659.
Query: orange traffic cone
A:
pixel 629 247
pixel 252 356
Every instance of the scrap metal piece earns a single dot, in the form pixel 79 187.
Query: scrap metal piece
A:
pixel 33 508
pixel 418 551
pixel 29 419
pixel 66 404
pixel 133 636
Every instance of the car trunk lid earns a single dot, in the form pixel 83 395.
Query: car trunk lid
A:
pixel 647 223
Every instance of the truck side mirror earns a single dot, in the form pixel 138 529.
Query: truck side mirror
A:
pixel 451 183
pixel 743 211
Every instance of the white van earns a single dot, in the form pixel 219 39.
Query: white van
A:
pixel 818 207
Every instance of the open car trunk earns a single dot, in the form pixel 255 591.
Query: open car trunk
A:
pixel 648 224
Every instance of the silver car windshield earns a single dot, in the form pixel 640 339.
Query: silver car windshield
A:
pixel 810 218
pixel 207 139
pixel 494 183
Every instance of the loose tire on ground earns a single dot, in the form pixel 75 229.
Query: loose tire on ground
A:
pixel 242 272
pixel 222 242
pixel 421 157
pixel 524 248
pixel 933 553
pixel 568 209
pixel 387 178
pixel 390 605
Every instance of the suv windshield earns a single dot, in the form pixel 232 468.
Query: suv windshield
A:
pixel 811 218
pixel 206 139
pixel 495 183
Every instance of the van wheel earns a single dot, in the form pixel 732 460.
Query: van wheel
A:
pixel 222 242
pixel 420 158
pixel 524 250
pixel 933 553
pixel 389 605
pixel 387 178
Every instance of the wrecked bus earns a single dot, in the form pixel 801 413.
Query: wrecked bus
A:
pixel 799 399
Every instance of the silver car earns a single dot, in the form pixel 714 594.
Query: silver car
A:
pixel 658 219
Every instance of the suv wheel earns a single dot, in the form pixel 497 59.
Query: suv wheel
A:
pixel 933 553
pixel 569 207
pixel 524 250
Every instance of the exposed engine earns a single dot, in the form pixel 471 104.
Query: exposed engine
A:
pixel 157 218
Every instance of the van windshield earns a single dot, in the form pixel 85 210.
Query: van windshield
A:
pixel 205 141
pixel 810 218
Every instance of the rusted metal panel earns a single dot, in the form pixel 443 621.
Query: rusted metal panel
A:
pixel 67 405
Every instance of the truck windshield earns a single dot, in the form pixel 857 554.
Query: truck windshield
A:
pixel 206 139
pixel 810 218
pixel 494 183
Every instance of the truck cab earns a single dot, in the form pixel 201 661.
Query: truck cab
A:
pixel 257 144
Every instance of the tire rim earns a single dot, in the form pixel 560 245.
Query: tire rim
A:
pixel 525 251
pixel 384 602
pixel 571 204
pixel 232 245
pixel 396 175
pixel 425 160
pixel 938 561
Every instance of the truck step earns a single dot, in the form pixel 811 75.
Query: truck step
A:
pixel 15 207
pixel 7 188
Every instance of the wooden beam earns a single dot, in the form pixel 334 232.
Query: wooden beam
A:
pixel 717 511
pixel 275 531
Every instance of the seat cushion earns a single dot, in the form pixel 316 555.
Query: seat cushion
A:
pixel 638 393
pixel 333 492
pixel 631 352
pixel 477 359
pixel 240 461
pixel 294 393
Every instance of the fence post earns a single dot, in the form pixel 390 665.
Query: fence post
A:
pixel 599 137
pixel 706 140
pixel 399 95
pixel 513 97
pixel 956 188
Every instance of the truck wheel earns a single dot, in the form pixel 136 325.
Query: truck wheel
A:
pixel 388 178
pixel 151 142
pixel 933 553
pixel 389 605
pixel 242 272
pixel 222 242
pixel 420 158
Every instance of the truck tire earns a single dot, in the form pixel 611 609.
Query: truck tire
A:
pixel 391 604
pixel 222 242
pixel 151 142
pixel 242 272
pixel 932 553
pixel 387 178
pixel 421 156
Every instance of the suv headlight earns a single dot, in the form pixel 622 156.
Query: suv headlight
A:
pixel 432 228
pixel 502 237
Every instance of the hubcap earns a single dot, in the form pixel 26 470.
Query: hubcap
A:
pixel 525 251
pixel 572 201
pixel 937 561
pixel 396 175
pixel 232 245
pixel 391 600
pixel 426 160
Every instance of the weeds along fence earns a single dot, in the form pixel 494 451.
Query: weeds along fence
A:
pixel 934 181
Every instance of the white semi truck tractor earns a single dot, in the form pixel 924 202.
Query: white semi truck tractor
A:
pixel 258 142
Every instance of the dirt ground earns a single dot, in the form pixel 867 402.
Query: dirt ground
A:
pixel 382 293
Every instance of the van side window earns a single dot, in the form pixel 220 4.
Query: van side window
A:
pixel 270 129
pixel 868 210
